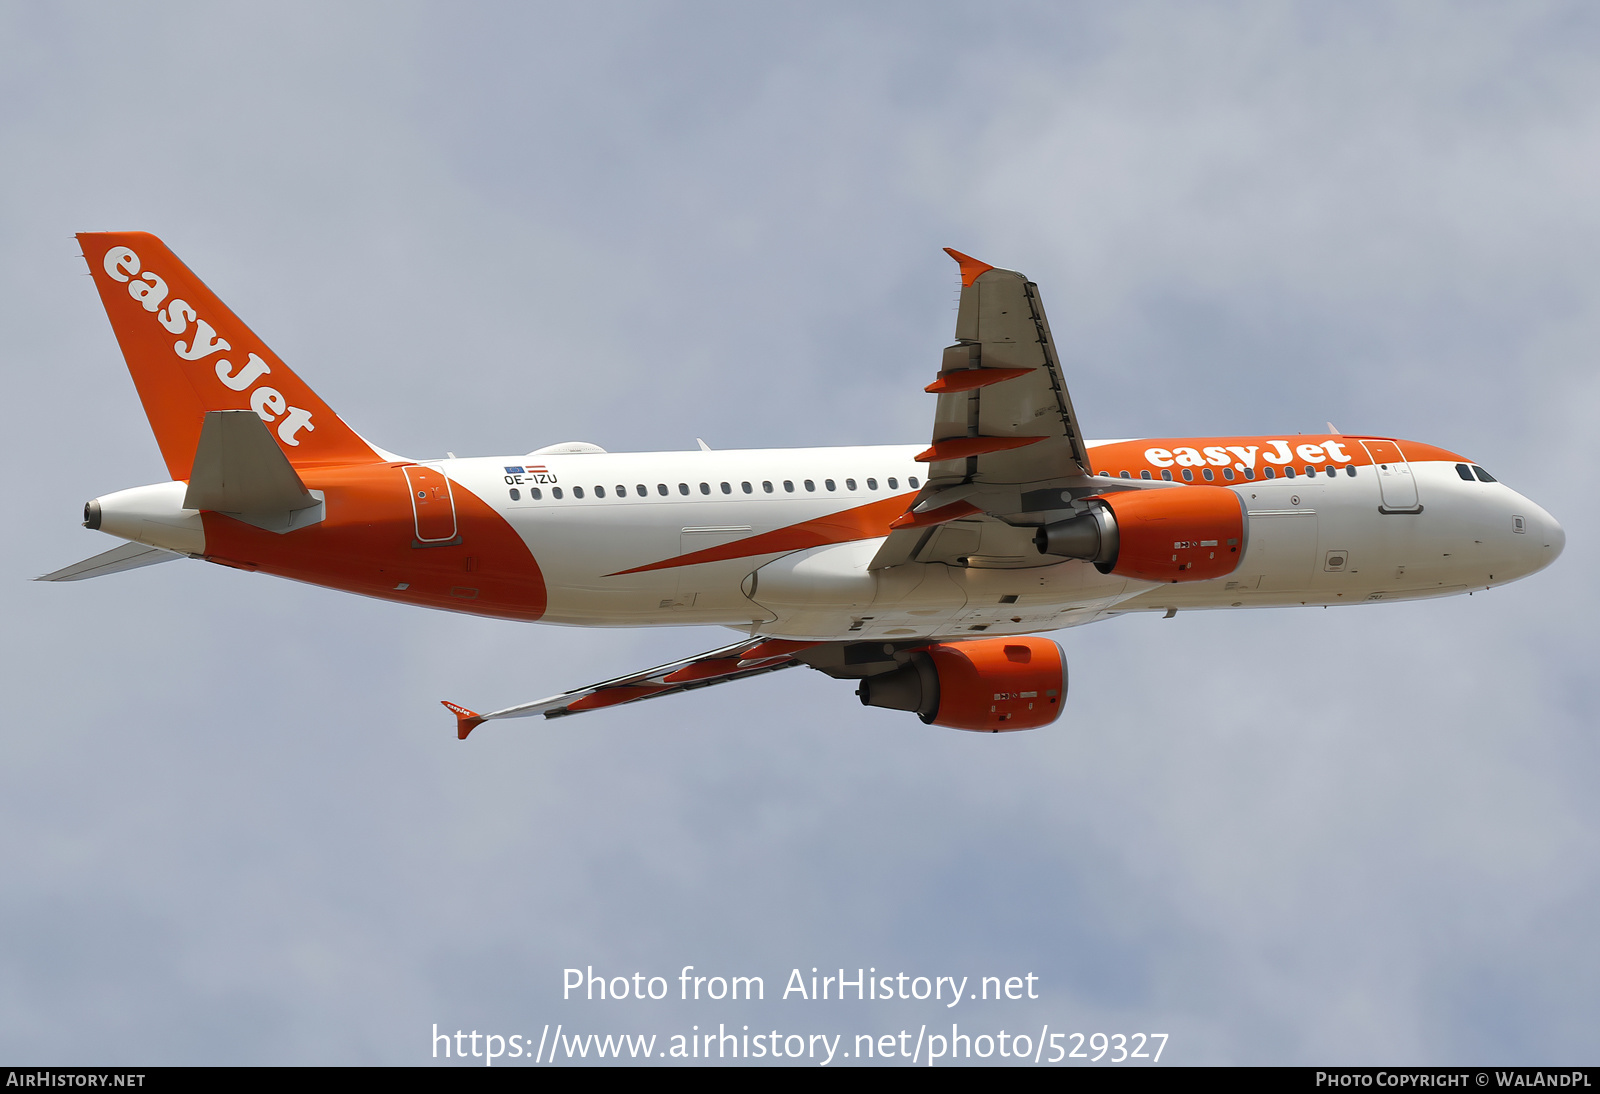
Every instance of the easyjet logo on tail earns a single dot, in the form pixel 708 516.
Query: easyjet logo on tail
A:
pixel 150 290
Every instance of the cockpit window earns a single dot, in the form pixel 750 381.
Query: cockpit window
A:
pixel 1464 471
pixel 1483 476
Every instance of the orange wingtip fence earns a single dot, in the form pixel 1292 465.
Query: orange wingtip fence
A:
pixel 466 720
pixel 971 268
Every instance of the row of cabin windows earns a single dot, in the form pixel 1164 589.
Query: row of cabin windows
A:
pixel 1466 471
pixel 643 491
pixel 1249 473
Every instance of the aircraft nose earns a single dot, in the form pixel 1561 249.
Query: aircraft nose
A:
pixel 1555 536
pixel 1545 538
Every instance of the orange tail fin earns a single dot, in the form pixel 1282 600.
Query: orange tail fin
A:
pixel 189 353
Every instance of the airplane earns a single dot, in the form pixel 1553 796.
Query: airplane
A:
pixel 919 572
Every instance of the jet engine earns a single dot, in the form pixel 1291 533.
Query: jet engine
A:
pixel 1190 533
pixel 988 685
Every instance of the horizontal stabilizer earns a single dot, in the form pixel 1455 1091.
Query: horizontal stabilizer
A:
pixel 240 470
pixel 129 556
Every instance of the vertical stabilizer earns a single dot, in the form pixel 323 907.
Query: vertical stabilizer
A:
pixel 189 354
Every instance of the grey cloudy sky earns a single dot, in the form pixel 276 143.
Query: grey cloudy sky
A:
pixel 235 825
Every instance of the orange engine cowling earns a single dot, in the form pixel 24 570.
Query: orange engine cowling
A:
pixel 988 685
pixel 1189 533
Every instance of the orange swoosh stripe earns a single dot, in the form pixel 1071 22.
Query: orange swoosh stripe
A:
pixel 863 522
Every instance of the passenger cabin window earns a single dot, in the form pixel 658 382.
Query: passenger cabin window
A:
pixel 622 491
pixel 683 488
pixel 1312 471
pixel 829 484
pixel 1483 476
pixel 556 492
pixel 1227 473
pixel 766 486
pixel 1105 474
pixel 1288 472
pixel 661 488
pixel 849 484
pixel 1208 474
pixel 577 491
pixel 599 491
pixel 872 484
pixel 1144 474
pixel 810 485
pixel 516 495
pixel 745 487
pixel 912 481
pixel 788 486
pixel 1125 475
pixel 726 489
pixel 705 488
pixel 1167 475
pixel 1331 470
pixel 1188 476
pixel 893 483
pixel 1351 471
pixel 536 493
pixel 643 492
pixel 1268 473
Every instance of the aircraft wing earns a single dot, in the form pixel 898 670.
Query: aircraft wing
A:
pixel 751 657
pixel 1006 440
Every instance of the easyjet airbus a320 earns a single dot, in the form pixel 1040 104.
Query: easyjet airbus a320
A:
pixel 917 571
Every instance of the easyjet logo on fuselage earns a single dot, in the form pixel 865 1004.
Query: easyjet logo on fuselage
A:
pixel 1243 456
pixel 150 290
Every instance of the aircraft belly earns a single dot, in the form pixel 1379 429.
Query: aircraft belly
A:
pixel 829 593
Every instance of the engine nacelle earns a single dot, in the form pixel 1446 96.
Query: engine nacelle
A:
pixel 1189 533
pixel 988 685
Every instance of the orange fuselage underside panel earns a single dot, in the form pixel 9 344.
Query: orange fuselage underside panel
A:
pixel 367 543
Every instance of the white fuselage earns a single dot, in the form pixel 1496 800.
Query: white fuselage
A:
pixel 1319 540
